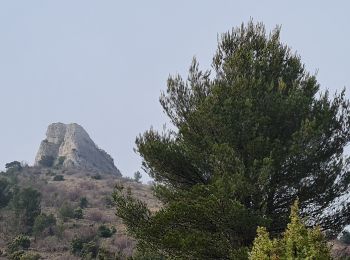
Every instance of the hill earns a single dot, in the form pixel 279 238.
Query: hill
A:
pixel 81 203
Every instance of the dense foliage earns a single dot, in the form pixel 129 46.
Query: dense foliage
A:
pixel 5 192
pixel 297 242
pixel 248 140
pixel 26 203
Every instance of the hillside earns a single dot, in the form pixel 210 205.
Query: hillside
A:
pixel 74 190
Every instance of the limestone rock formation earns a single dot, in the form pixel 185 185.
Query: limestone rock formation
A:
pixel 69 145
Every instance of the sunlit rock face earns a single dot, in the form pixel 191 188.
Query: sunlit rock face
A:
pixel 69 145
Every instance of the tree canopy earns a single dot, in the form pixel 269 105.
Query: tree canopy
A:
pixel 249 137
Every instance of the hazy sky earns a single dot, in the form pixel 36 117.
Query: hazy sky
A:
pixel 103 64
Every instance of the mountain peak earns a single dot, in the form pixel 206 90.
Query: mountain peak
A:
pixel 69 145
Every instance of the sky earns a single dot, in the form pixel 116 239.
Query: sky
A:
pixel 103 64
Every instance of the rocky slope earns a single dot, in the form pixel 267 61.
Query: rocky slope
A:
pixel 69 145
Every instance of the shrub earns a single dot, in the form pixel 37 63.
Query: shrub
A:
pixel 20 242
pixel 76 246
pixel 17 255
pixel 297 242
pixel 83 202
pixel 5 192
pixel 46 161
pixel 137 176
pixel 30 256
pixel 90 250
pixel 104 231
pixel 78 213
pixel 95 215
pixel 66 211
pixel 27 206
pixel 43 222
pixel 96 177
pixel 81 247
pixel 58 178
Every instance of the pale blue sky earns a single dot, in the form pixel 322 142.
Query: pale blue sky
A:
pixel 103 64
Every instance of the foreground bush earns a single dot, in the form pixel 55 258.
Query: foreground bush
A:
pixel 297 242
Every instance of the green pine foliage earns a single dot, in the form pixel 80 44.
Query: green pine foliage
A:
pixel 249 138
pixel 298 242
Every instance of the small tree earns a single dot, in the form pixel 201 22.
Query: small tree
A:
pixel 5 192
pixel 43 222
pixel 83 202
pixel 104 231
pixel 13 166
pixel 78 213
pixel 298 242
pixel 27 206
pixel 137 176
pixel 66 211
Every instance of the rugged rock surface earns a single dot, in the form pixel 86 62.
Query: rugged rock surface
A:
pixel 69 145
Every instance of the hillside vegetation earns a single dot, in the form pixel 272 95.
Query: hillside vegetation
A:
pixel 74 217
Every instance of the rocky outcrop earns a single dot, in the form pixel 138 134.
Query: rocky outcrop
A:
pixel 69 145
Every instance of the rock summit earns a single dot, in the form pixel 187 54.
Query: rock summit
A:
pixel 69 145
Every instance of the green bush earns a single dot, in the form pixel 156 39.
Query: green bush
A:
pixel 5 192
pixel 297 242
pixel 96 177
pixel 83 202
pixel 76 246
pixel 43 222
pixel 83 248
pixel 27 206
pixel 104 231
pixel 66 211
pixel 58 178
pixel 30 256
pixel 78 213
pixel 17 255
pixel 20 242
pixel 46 161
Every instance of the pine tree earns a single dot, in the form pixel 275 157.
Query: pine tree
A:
pixel 249 138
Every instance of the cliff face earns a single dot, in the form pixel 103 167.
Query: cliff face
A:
pixel 69 145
